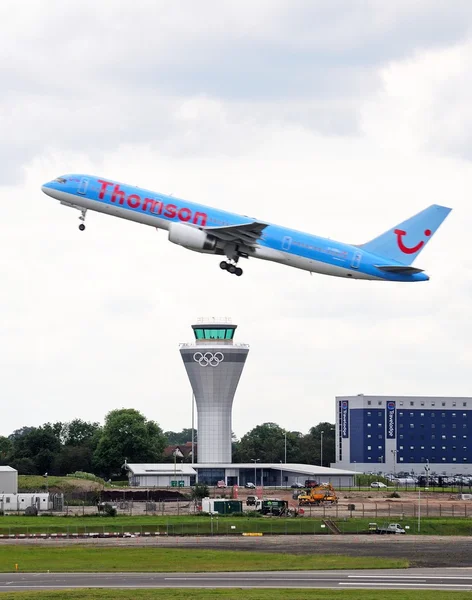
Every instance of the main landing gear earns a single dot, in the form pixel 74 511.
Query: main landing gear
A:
pixel 83 212
pixel 233 269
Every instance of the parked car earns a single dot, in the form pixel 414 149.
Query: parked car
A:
pixel 220 484
pixel 377 484
pixel 250 485
pixel 251 500
pixel 297 485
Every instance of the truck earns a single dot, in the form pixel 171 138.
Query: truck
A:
pixel 272 506
pixel 251 500
pixel 390 528
pixel 322 494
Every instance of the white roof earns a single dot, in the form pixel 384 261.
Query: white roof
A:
pixel 8 469
pixel 161 468
pixel 293 467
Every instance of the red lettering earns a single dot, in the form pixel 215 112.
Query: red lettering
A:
pixel 171 211
pixel 134 201
pixel 157 208
pixel 149 201
pixel 103 189
pixel 184 214
pixel 119 193
pixel 202 216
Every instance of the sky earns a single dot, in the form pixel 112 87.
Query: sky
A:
pixel 338 118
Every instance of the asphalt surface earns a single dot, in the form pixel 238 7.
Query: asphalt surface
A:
pixel 449 579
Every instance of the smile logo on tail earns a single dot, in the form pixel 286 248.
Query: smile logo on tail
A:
pixel 405 249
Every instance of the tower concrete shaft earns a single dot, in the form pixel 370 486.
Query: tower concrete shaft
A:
pixel 214 365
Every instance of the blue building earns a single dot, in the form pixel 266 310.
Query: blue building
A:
pixel 404 433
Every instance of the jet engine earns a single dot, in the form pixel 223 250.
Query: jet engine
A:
pixel 191 237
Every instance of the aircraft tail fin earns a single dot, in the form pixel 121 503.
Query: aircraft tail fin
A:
pixel 404 242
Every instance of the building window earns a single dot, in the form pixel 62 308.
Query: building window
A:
pixel 433 447
pixel 379 414
pixel 454 459
pixel 401 402
pixel 443 415
pixel 433 437
pixel 421 414
pixel 369 447
pixel 401 447
pixel 379 424
pixel 433 426
pixel 464 404
pixel 453 414
pixel 400 414
pixel 453 404
pixel 380 402
pixel 368 413
pixel 433 414
pixel 369 424
pixel 401 436
pixel 443 404
pixel 380 436
pixel 369 402
pixel 433 403
pixel 422 403
pixel 400 425
pixel 454 425
pixel 412 414
pixel 412 404
pixel 412 425
pixel 380 447
pixel 369 435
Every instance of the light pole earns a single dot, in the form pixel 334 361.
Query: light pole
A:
pixel 285 434
pixel 255 461
pixel 394 452
pixel 321 444
pixel 419 507
pixel 321 453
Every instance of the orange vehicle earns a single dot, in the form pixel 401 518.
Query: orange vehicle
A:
pixel 319 495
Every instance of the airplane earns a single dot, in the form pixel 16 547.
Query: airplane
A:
pixel 388 257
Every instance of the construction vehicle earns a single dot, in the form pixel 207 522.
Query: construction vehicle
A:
pixel 322 494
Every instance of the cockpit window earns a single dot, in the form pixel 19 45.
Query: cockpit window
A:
pixel 60 180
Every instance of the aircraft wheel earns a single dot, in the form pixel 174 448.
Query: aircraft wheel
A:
pixel 231 269
pixel 81 227
pixel 223 265
pixel 238 272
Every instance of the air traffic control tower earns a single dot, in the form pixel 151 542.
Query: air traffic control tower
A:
pixel 214 365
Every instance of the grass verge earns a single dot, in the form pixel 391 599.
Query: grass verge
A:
pixel 84 559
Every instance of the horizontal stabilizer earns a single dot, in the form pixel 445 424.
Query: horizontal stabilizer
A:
pixel 401 269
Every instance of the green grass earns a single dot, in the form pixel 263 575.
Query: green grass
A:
pixel 235 594
pixel 199 525
pixel 85 559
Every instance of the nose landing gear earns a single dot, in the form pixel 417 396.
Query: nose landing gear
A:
pixel 231 268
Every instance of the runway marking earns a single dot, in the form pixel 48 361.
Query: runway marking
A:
pixel 390 583
pixel 407 577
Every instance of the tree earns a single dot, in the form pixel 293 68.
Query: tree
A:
pixel 38 444
pixel 127 435
pixel 175 438
pixel 6 446
pixel 266 442
pixel 311 445
pixel 79 433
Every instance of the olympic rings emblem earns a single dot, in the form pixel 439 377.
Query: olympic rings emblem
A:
pixel 208 359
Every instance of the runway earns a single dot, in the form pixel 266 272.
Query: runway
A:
pixel 413 579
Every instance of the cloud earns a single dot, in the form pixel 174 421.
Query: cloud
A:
pixel 340 119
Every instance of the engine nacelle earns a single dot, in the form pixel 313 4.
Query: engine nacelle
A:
pixel 191 237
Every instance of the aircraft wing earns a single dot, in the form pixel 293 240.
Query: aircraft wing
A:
pixel 246 233
pixel 402 269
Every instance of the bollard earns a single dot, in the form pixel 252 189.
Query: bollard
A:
pixel 16 566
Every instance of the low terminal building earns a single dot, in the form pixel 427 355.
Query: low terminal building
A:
pixel 259 474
